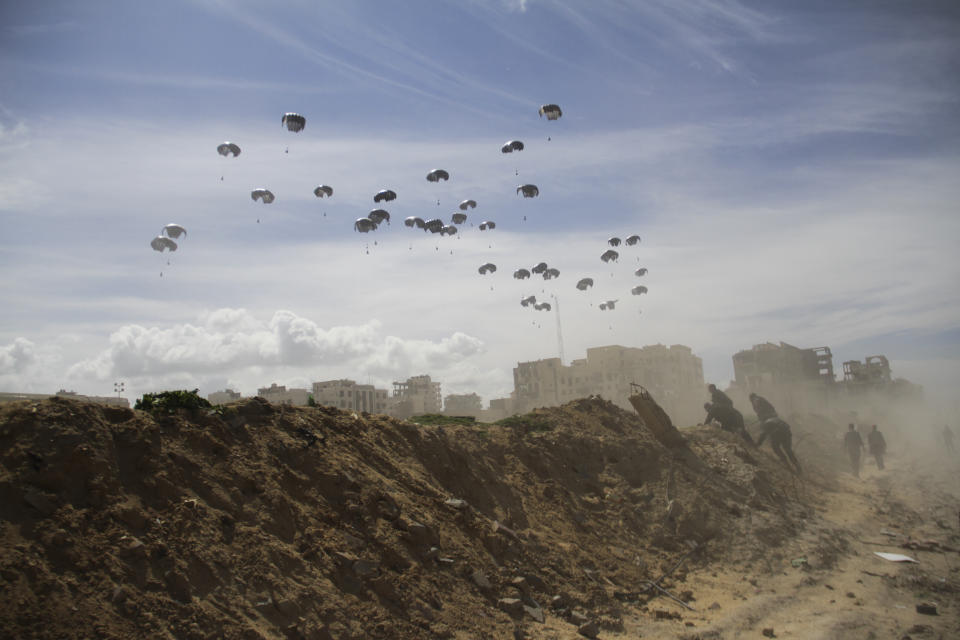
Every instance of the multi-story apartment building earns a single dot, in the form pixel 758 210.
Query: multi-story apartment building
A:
pixel 279 394
pixel 348 395
pixel 223 397
pixel 673 375
pixel 465 404
pixel 416 396
pixel 771 364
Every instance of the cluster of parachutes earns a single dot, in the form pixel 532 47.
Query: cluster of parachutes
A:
pixel 166 240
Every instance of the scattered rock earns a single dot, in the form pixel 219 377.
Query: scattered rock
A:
pixel 588 629
pixel 512 606
pixel 927 608
pixel 481 580
pixel 768 633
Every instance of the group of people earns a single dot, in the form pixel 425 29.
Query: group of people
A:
pixel 853 443
pixel 721 410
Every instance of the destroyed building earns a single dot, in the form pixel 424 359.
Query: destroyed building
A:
pixel 416 396
pixel 347 394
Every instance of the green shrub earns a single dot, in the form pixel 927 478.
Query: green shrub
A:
pixel 528 423
pixel 171 401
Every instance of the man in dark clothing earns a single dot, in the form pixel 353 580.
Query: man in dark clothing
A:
pixel 762 407
pixel 719 397
pixel 948 437
pixel 853 443
pixel 729 418
pixel 780 438
pixel 878 446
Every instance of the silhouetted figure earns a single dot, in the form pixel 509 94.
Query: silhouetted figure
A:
pixel 729 418
pixel 719 397
pixel 781 441
pixel 948 438
pixel 762 407
pixel 877 445
pixel 853 443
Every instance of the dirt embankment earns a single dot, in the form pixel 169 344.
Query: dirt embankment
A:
pixel 269 522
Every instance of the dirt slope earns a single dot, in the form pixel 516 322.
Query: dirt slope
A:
pixel 270 522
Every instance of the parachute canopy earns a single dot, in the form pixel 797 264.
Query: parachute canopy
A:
pixel 437 175
pixel 385 195
pixel 414 221
pixel 434 225
pixel 228 148
pixel 528 190
pixel 323 190
pixel 487 268
pixel 448 230
pixel 163 243
pixel 510 147
pixel 529 300
pixel 638 290
pixel 174 230
pixel 468 204
pixel 379 215
pixel 632 240
pixel 521 274
pixel 459 218
pixel 293 121
pixel 609 255
pixel 609 305
pixel 551 273
pixel 263 195
pixel 487 224
pixel 642 271
pixel 364 225
pixel 614 242
pixel 540 268
pixel 552 111
pixel 584 283
pixel 543 306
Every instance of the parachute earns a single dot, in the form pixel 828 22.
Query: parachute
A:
pixel 264 195
pixel 632 240
pixel 529 300
pixel 459 218
pixel 434 225
pixel 364 225
pixel 487 224
pixel 609 305
pixel 378 216
pixel 294 122
pixel 163 243
pixel 614 242
pixel 638 290
pixel 385 194
pixel 584 283
pixel 551 273
pixel 552 111
pixel 642 271
pixel 543 306
pixel 323 190
pixel 609 255
pixel 174 231
pixel 448 230
pixel 437 175
pixel 227 148
pixel 487 268
pixel 521 274
pixel 540 268
pixel 510 147
pixel 414 221
pixel 468 204
pixel 528 190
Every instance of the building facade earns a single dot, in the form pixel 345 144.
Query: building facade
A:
pixel 465 404
pixel 225 396
pixel 279 394
pixel 348 395
pixel 416 396
pixel 673 375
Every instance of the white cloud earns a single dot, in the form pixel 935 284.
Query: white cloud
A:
pixel 17 356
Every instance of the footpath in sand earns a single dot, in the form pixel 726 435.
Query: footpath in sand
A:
pixel 255 521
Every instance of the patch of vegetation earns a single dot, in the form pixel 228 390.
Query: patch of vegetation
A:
pixel 438 419
pixel 170 401
pixel 528 423
pixel 310 401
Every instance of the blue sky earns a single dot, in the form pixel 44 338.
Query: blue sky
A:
pixel 791 168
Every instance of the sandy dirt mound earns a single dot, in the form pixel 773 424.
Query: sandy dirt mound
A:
pixel 258 521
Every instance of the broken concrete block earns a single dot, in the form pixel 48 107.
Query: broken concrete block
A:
pixel 512 606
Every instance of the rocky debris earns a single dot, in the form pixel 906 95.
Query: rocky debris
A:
pixel 927 608
pixel 512 606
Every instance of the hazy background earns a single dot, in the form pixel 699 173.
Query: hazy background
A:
pixel 792 169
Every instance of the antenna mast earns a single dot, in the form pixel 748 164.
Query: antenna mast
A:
pixel 559 330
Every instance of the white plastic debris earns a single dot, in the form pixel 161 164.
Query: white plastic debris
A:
pixel 894 557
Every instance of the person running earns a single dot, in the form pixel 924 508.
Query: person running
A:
pixel 853 443
pixel 762 407
pixel 729 418
pixel 718 397
pixel 781 441
pixel 878 446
